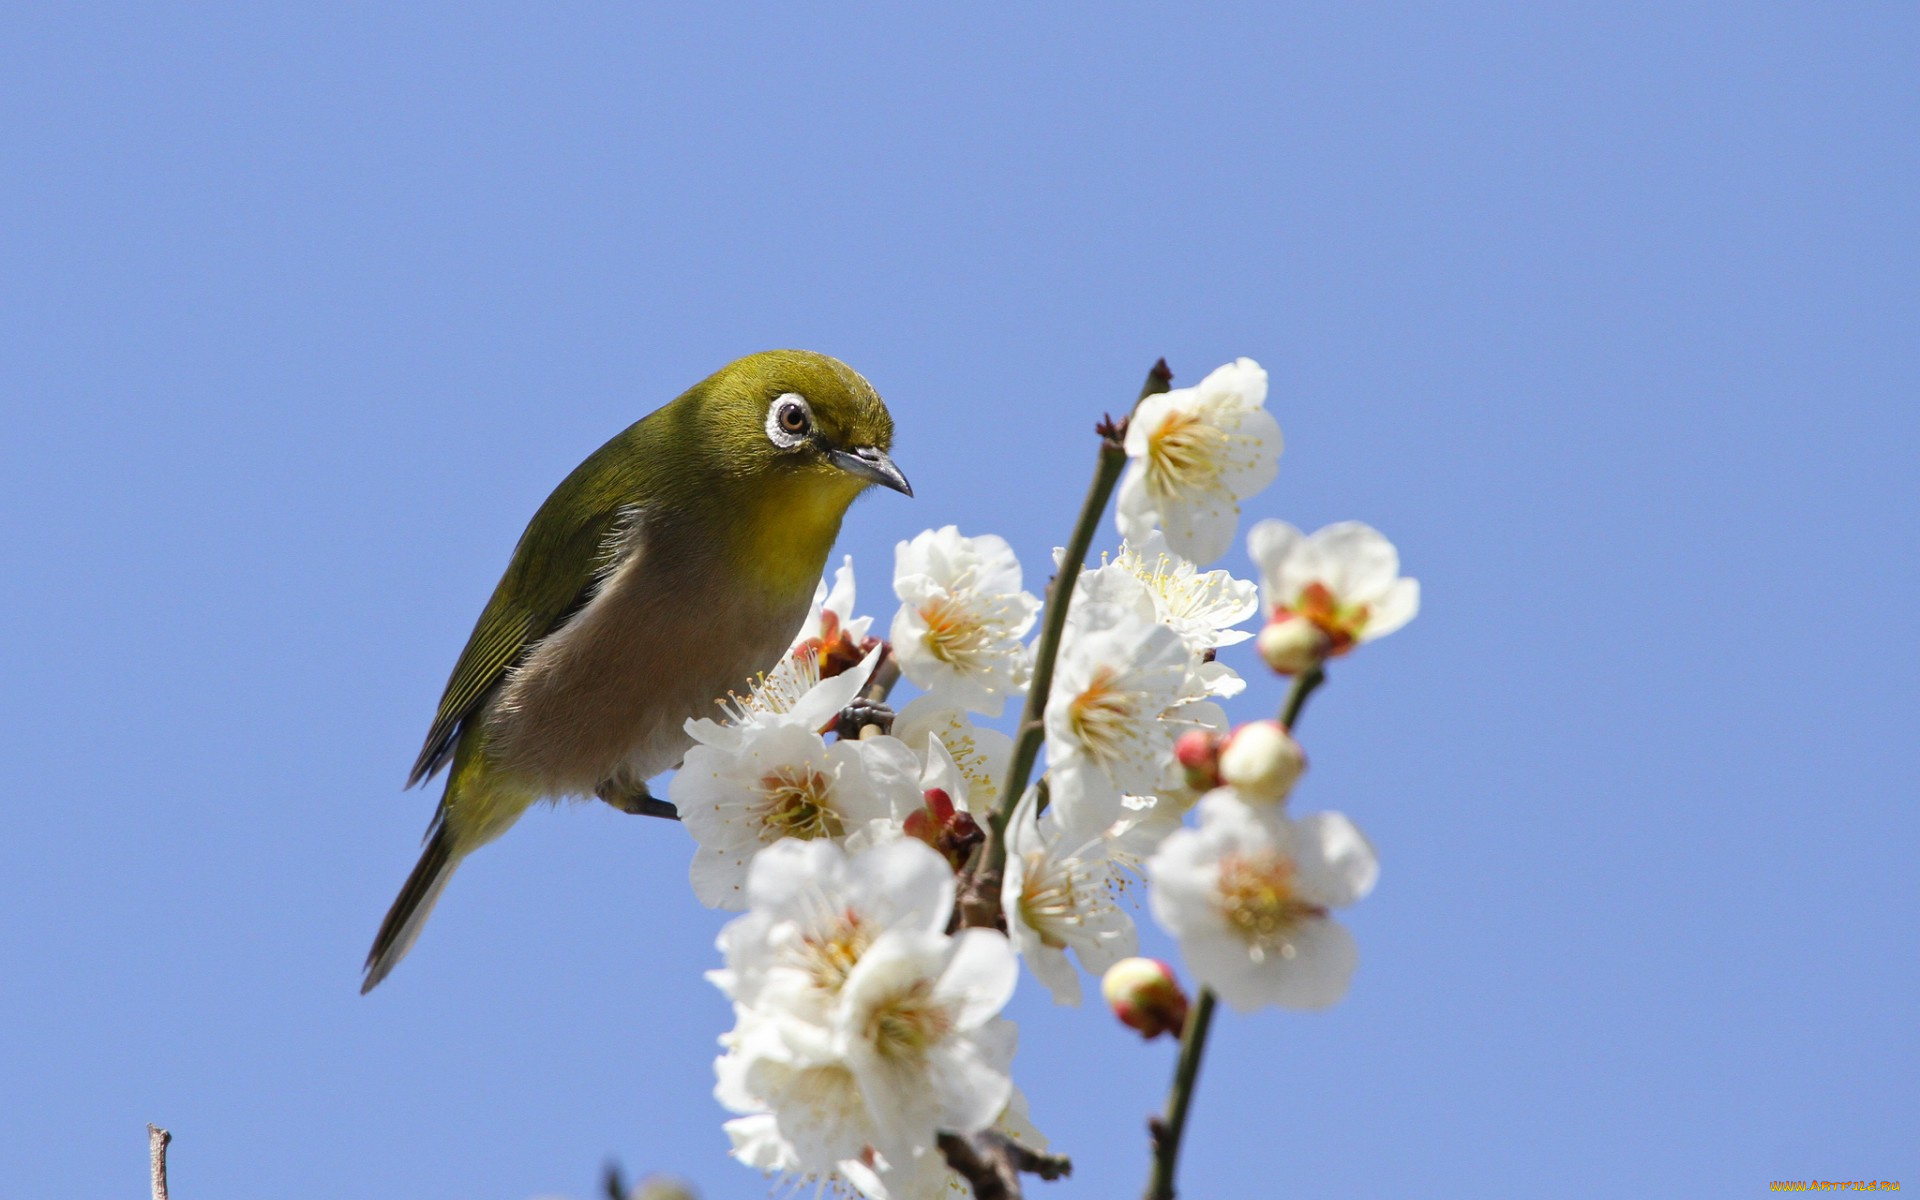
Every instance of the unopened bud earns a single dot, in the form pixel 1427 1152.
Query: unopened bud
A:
pixel 1198 751
pixel 1262 762
pixel 953 832
pixel 1145 995
pixel 1291 644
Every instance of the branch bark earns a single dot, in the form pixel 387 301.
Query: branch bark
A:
pixel 992 1163
pixel 157 1139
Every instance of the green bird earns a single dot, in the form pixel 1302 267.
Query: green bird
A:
pixel 671 566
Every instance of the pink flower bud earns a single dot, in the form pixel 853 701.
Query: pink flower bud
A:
pixel 1291 643
pixel 1198 751
pixel 1262 762
pixel 954 833
pixel 1145 995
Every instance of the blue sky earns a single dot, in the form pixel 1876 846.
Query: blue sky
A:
pixel 1606 315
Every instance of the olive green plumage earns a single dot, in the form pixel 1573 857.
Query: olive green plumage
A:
pixel 674 563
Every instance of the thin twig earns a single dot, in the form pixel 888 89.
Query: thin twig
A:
pixel 1167 1131
pixel 886 673
pixel 980 897
pixel 1303 685
pixel 992 1163
pixel 157 1139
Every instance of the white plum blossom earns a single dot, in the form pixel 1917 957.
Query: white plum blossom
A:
pixel 1199 609
pixel 792 693
pixel 804 1113
pixel 862 1028
pixel 980 754
pixel 962 616
pixel 1248 897
pixel 919 1025
pixel 1203 607
pixel 1116 675
pixel 781 781
pixel 1344 579
pixel 1059 896
pixel 813 909
pixel 1196 453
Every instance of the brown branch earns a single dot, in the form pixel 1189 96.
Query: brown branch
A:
pixel 886 673
pixel 992 1163
pixel 157 1139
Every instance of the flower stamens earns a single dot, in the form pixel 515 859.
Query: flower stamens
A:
pixel 1257 896
pixel 798 804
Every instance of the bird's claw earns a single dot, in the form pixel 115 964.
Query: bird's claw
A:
pixel 638 801
pixel 861 713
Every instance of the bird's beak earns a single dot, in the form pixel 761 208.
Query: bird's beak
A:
pixel 871 463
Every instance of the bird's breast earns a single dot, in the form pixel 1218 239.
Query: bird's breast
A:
pixel 663 638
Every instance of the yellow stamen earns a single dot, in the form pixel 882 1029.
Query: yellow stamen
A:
pixel 1185 452
pixel 1257 895
pixel 955 634
pixel 797 804
pixel 1102 715
pixel 908 1025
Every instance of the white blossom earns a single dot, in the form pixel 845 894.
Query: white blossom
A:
pixel 962 616
pixel 781 781
pixel 1248 897
pixel 861 1027
pixel 847 993
pixel 1116 675
pixel 918 1025
pixel 792 693
pixel 1196 453
pixel 1058 895
pixel 813 909
pixel 980 754
pixel 1157 595
pixel 1344 578
pixel 1203 607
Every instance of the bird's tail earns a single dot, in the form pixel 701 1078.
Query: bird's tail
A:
pixel 409 912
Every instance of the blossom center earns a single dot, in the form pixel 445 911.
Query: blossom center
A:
pixel 1184 454
pixel 1052 899
pixel 828 957
pixel 955 633
pixel 797 803
pixel 1258 897
pixel 905 1027
pixel 1342 623
pixel 1103 715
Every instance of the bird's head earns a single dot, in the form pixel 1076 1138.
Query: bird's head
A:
pixel 805 424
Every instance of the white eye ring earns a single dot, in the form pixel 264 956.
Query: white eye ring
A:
pixel 789 420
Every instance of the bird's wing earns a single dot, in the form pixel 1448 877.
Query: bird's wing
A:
pixel 550 579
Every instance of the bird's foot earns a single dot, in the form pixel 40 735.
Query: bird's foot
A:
pixel 856 717
pixel 637 800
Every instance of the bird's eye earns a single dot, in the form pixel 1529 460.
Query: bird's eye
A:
pixel 789 420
